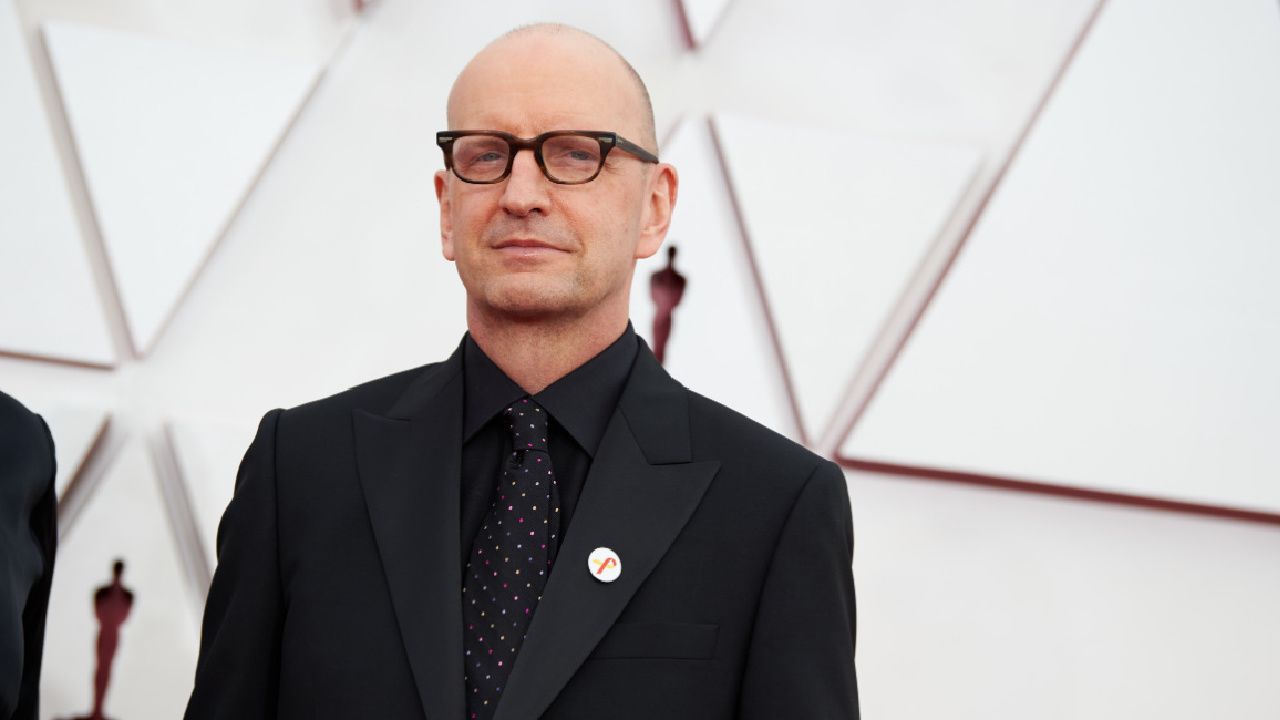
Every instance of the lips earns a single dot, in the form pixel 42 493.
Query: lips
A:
pixel 528 243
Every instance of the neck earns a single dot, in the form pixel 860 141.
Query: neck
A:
pixel 537 352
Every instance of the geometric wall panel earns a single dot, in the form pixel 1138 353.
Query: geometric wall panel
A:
pixel 125 518
pixel 170 138
pixel 1111 324
pixel 853 214
pixel 50 305
pixel 719 343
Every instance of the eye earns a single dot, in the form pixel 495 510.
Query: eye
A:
pixel 575 156
pixel 573 150
pixel 479 150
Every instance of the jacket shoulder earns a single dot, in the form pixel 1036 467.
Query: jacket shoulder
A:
pixel 319 432
pixel 719 431
pixel 376 396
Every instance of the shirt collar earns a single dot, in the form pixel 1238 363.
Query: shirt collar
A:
pixel 582 401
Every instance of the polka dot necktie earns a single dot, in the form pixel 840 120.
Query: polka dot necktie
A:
pixel 510 559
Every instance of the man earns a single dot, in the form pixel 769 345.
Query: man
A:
pixel 545 524
pixel 28 537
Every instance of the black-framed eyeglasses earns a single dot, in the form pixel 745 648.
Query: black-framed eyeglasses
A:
pixel 567 157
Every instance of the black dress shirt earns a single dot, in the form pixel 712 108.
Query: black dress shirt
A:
pixel 579 406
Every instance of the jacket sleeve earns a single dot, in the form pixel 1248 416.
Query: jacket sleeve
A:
pixel 238 667
pixel 800 662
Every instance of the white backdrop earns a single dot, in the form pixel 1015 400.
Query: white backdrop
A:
pixel 973 603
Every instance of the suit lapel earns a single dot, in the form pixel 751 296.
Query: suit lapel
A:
pixel 410 470
pixel 640 491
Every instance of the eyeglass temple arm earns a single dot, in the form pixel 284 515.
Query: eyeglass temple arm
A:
pixel 636 150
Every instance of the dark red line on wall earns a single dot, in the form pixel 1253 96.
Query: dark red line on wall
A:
pixel 89 473
pixel 76 479
pixel 57 360
pixel 685 27
pixel 1063 491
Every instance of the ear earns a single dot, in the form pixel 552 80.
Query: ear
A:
pixel 660 201
pixel 446 218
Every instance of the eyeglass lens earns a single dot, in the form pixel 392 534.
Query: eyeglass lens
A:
pixel 567 158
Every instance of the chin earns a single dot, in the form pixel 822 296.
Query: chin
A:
pixel 534 302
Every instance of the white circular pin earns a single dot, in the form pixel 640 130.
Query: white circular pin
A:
pixel 604 564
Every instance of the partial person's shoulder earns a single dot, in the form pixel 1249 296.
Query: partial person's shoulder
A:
pixel 21 429
pixel 16 416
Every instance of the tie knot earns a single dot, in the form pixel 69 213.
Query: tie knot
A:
pixel 528 423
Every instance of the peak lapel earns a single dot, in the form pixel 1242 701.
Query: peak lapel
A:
pixel 640 491
pixel 410 471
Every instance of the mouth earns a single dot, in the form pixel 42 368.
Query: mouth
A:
pixel 526 248
pixel 525 243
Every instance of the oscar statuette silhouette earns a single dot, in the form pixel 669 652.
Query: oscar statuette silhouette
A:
pixel 666 288
pixel 111 604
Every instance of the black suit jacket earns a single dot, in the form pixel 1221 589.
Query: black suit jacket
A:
pixel 337 593
pixel 28 537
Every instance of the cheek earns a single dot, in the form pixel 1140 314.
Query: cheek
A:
pixel 622 229
pixel 469 220
pixel 464 215
pixel 608 226
pixel 603 234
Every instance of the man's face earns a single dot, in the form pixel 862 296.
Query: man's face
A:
pixel 592 233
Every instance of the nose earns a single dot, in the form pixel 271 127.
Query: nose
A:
pixel 525 189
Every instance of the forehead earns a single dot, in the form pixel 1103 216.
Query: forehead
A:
pixel 529 85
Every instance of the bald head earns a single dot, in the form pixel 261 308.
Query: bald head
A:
pixel 573 68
